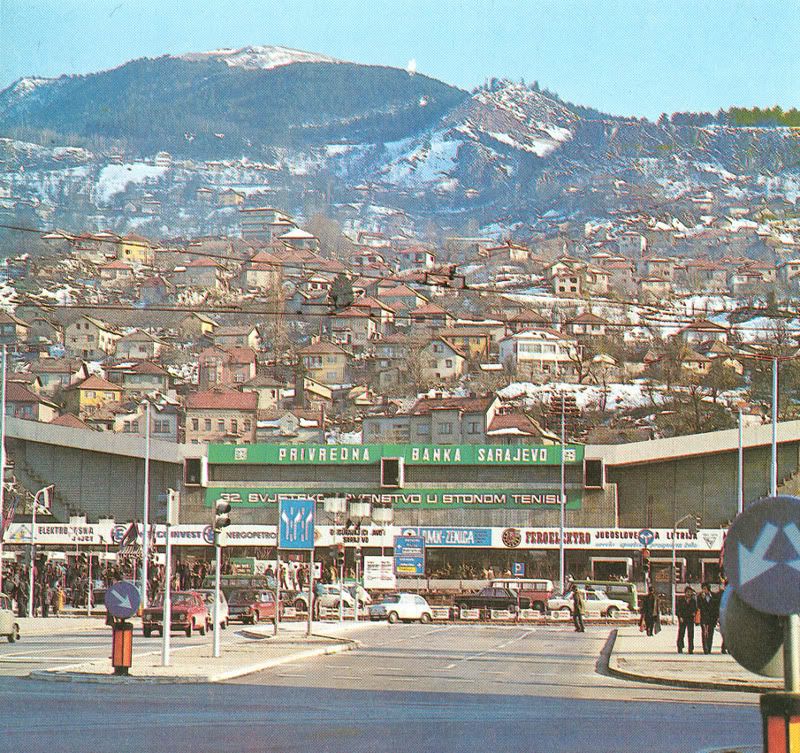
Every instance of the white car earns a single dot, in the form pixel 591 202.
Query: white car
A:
pixel 208 598
pixel 329 595
pixel 597 604
pixel 8 624
pixel 402 606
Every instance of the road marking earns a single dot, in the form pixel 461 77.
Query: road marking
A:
pixel 490 650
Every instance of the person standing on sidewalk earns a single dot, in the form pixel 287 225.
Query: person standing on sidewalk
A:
pixel 685 610
pixel 578 608
pixel 651 618
pixel 709 614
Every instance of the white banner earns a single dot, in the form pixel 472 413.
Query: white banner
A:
pixel 379 573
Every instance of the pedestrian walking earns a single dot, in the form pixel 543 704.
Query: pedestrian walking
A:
pixel 578 608
pixel 686 611
pixel 709 614
pixel 722 586
pixel 650 614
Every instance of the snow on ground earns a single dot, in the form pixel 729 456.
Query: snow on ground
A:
pixel 427 162
pixel 114 179
pixel 622 396
pixel 260 57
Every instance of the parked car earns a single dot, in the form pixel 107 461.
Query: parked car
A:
pixel 538 590
pixel 493 598
pixel 597 604
pixel 229 583
pixel 251 605
pixel 329 595
pixel 401 607
pixel 189 613
pixel 208 598
pixel 8 624
pixel 620 590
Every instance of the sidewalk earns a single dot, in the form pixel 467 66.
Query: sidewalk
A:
pixel 255 649
pixel 655 659
pixel 62 625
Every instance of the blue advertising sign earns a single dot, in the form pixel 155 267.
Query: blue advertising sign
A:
pixel 296 523
pixel 762 555
pixel 409 555
pixel 122 599
pixel 439 537
pixel 519 569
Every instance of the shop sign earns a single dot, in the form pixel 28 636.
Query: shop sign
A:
pixel 451 537
pixel 366 454
pixel 422 499
pixel 606 539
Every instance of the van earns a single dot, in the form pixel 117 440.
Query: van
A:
pixel 614 589
pixel 229 583
pixel 538 590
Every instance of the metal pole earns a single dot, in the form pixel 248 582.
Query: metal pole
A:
pixel 358 563
pixel 341 591
pixel 167 614
pixel 146 504
pixel 773 473
pixel 3 463
pixel 310 591
pixel 740 473
pixel 218 568
pixel 33 544
pixel 791 655
pixel 89 589
pixel 277 590
pixel 674 571
pixel 562 524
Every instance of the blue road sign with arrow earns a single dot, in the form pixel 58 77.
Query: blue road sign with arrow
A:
pixel 296 523
pixel 762 555
pixel 122 599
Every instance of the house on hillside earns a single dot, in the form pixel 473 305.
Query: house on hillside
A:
pixel 90 338
pixel 539 353
pixel 221 415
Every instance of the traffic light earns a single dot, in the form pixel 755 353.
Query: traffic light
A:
pixel 222 518
pixel 173 502
pixel 646 562
pixel 694 524
pixel 340 556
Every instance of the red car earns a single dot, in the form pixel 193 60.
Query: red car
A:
pixel 189 613
pixel 250 605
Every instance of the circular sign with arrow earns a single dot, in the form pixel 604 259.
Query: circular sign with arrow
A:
pixel 122 599
pixel 762 555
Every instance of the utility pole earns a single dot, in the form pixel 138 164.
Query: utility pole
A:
pixel 146 504
pixel 563 497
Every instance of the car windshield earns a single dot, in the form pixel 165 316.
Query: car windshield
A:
pixel 243 595
pixel 176 599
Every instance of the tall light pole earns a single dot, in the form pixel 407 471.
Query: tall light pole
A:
pixel 33 548
pixel 563 496
pixel 773 471
pixel 146 504
pixel 3 460
pixel 740 471
pixel 337 506
pixel 360 511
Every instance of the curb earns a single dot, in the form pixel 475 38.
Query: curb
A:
pixel 611 667
pixel 60 676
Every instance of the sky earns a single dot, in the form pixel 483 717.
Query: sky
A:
pixel 627 57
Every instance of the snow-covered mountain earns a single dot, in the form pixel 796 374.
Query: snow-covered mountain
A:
pixel 259 57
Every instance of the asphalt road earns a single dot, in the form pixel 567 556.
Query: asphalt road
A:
pixel 408 689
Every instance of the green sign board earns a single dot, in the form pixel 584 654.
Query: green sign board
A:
pixel 365 454
pixel 407 499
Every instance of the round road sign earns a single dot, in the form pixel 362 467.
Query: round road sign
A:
pixel 762 555
pixel 122 599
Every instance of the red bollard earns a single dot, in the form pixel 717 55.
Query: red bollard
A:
pixel 122 648
pixel 780 713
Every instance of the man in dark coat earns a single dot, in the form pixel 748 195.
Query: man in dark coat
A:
pixel 685 609
pixel 709 614
pixel 578 608
pixel 650 612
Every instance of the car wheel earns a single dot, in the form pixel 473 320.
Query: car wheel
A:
pixel 336 605
pixel 566 611
pixel 300 605
pixel 13 636
pixel 224 624
pixel 612 612
pixel 189 629
pixel 147 632
pixel 462 607
pixel 202 629
pixel 538 606
pixel 393 617
pixel 425 618
pixel 254 618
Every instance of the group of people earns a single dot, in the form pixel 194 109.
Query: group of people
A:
pixel 698 609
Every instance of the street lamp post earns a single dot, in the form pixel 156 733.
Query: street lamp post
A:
pixel 33 547
pixel 563 499
pixel 337 506
pixel 2 459
pixel 146 504
pixel 674 560
pixel 360 511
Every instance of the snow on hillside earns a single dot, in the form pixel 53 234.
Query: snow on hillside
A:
pixel 114 179
pixel 586 396
pixel 428 162
pixel 259 57
pixel 20 90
